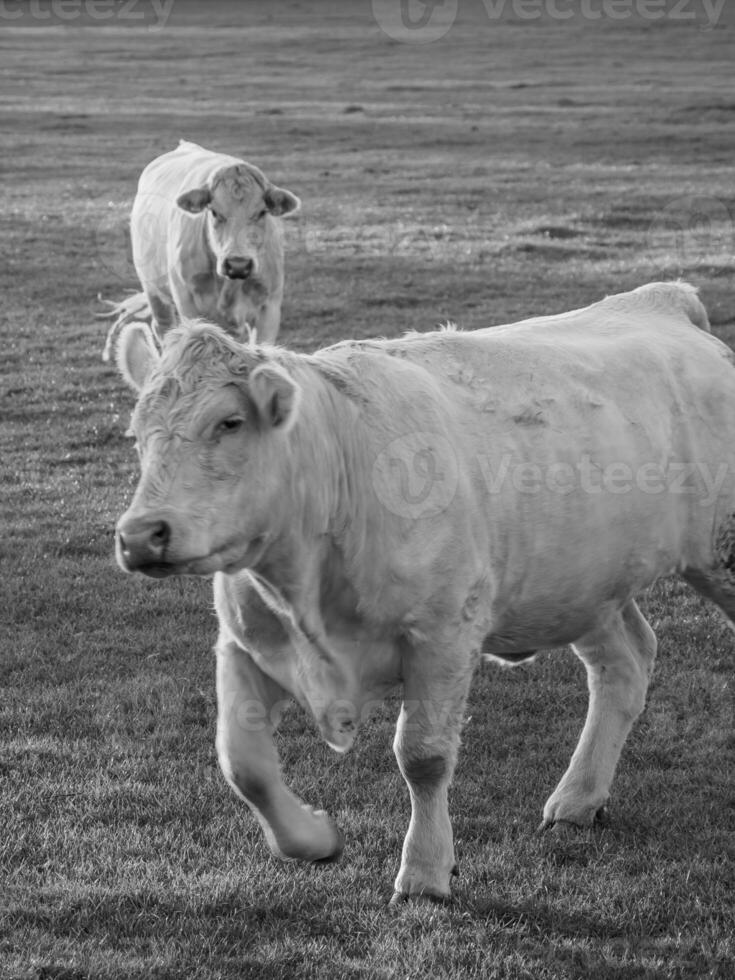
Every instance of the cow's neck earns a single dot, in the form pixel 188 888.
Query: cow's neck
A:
pixel 309 562
pixel 321 493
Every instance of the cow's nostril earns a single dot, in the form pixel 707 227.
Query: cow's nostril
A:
pixel 161 535
pixel 238 267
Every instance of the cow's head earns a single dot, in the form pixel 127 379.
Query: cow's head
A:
pixel 240 202
pixel 211 427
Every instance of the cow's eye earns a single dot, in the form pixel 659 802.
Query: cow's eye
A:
pixel 218 218
pixel 226 426
pixel 261 214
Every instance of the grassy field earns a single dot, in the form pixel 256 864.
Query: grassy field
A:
pixel 511 168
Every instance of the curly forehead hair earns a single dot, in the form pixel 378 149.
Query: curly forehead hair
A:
pixel 239 180
pixel 198 350
pixel 195 356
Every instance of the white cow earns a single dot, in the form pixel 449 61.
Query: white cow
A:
pixel 207 242
pixel 384 512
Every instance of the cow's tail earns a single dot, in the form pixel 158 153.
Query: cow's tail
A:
pixel 679 297
pixel 132 308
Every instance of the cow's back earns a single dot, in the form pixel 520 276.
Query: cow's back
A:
pixel 645 352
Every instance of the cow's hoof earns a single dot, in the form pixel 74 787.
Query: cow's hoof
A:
pixel 310 835
pixel 568 828
pixel 602 817
pixel 400 899
pixel 565 829
pixel 560 828
pixel 336 854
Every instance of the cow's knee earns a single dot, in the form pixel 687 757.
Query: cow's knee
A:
pixel 422 772
pixel 426 769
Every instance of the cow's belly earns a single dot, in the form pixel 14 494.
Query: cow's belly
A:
pixel 567 565
pixel 525 630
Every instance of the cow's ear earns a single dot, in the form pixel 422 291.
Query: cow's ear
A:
pixel 281 202
pixel 195 201
pixel 136 354
pixel 275 395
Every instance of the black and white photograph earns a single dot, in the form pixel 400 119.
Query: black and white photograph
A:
pixel 367 527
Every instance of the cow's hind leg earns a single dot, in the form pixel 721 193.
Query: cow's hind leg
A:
pixel 426 743
pixel 619 658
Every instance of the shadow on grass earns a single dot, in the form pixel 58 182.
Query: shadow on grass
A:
pixel 543 919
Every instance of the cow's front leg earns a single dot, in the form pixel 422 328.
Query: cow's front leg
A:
pixel 426 743
pixel 194 293
pixel 268 321
pixel 619 658
pixel 249 705
pixel 163 315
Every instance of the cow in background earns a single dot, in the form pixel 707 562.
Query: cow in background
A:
pixel 207 242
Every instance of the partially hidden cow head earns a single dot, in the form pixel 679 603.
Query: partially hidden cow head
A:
pixel 240 202
pixel 210 426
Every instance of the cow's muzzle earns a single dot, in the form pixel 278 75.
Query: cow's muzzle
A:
pixel 237 267
pixel 339 725
pixel 141 544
